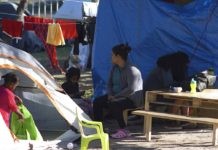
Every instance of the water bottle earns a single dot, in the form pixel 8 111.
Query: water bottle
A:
pixel 193 85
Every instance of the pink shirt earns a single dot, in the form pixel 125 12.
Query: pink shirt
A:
pixel 7 103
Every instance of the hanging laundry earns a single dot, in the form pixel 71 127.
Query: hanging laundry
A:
pixel 80 27
pixel 29 20
pixel 41 32
pixel 37 19
pixel 40 26
pixel 12 28
pixel 68 28
pixel 90 9
pixel 55 35
pixel 90 28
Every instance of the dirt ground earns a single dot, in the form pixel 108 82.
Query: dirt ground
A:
pixel 162 139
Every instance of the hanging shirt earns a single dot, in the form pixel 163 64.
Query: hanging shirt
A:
pixel 7 103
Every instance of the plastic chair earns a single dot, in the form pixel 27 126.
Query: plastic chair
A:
pixel 86 139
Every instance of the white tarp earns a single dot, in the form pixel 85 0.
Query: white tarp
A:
pixel 76 10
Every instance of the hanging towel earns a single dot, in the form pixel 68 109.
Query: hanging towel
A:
pixel 55 35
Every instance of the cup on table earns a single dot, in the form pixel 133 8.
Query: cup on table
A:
pixel 177 89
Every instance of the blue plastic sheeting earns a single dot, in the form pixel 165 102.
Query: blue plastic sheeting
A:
pixel 154 28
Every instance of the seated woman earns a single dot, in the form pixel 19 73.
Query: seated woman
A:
pixel 171 70
pixel 124 90
pixel 161 76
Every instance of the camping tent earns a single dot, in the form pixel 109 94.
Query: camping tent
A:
pixel 76 10
pixel 154 28
pixel 33 76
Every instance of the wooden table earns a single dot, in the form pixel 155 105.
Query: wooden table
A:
pixel 208 95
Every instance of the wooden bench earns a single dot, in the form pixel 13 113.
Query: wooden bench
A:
pixel 126 113
pixel 148 121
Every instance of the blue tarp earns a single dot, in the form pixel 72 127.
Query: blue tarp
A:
pixel 154 28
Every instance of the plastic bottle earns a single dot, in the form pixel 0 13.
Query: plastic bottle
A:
pixel 193 85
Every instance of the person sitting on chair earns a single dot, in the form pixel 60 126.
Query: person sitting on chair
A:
pixel 124 90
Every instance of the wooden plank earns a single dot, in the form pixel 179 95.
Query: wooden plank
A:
pixel 207 94
pixel 176 117
pixel 215 131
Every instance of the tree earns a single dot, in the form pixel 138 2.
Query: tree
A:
pixel 21 8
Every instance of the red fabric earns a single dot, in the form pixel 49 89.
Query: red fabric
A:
pixel 30 20
pixel 28 26
pixel 12 27
pixel 41 32
pixel 68 28
pixel 7 103
pixel 37 19
pixel 40 26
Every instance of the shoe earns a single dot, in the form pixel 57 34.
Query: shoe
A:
pixel 120 134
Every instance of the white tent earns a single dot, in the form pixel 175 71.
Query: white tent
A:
pixel 36 77
pixel 76 10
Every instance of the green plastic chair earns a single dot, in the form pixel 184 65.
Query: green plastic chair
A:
pixel 86 139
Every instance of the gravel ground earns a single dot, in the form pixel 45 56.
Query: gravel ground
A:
pixel 162 139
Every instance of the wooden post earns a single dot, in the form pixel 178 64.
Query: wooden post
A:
pixel 215 131
pixel 148 126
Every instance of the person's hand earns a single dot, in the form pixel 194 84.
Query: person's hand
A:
pixel 18 100
pixel 21 117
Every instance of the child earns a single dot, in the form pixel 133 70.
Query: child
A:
pixel 71 87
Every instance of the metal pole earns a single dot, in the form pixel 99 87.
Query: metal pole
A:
pixel 45 11
pixel 39 10
pixel 51 11
pixel 33 8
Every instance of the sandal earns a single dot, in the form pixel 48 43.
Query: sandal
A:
pixel 121 133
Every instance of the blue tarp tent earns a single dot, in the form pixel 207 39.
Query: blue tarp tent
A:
pixel 154 28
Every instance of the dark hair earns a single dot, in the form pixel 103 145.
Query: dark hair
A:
pixel 180 66
pixel 72 72
pixel 181 57
pixel 165 62
pixel 10 78
pixel 122 50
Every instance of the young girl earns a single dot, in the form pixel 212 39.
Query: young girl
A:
pixel 71 87
pixel 8 98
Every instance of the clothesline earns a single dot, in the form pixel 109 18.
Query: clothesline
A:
pixel 55 22
pixel 76 21
pixel 40 27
